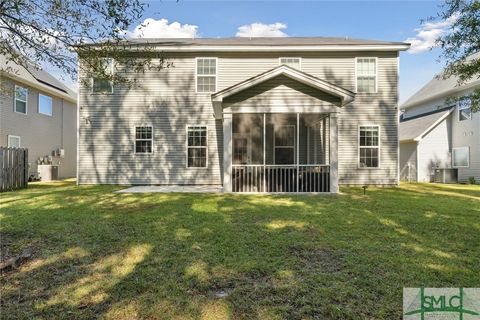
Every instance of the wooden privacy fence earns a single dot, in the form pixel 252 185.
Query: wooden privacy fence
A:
pixel 13 168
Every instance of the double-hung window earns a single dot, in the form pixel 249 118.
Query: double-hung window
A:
pixel 461 157
pixel 366 73
pixel 464 110
pixel 291 62
pixel 104 84
pixel 206 75
pixel 21 96
pixel 197 147
pixel 284 144
pixel 13 141
pixel 45 104
pixel 369 147
pixel 143 139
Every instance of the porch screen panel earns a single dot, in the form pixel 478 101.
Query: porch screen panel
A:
pixel 314 140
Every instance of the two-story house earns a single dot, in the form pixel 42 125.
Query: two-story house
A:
pixel 38 112
pixel 251 115
pixel 434 133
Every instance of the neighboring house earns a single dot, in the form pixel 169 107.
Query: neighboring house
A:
pixel 251 115
pixel 39 113
pixel 435 134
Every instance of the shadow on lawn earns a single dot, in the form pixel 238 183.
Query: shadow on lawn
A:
pixel 102 254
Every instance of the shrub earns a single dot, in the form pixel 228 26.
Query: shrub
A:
pixel 471 180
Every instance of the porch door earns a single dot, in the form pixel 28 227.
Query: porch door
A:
pixel 241 149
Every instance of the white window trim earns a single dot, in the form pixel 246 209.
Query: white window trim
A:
pixel 376 75
pixel 275 127
pixel 468 157
pixel 51 98
pixel 299 61
pixel 13 136
pixel 186 145
pixel 105 93
pixel 135 139
pixel 463 108
pixel 379 147
pixel 197 75
pixel 15 100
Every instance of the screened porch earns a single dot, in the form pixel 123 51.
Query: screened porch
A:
pixel 280 152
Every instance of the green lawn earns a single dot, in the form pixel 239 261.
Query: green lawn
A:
pixel 212 256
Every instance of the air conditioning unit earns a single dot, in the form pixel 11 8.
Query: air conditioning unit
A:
pixel 445 175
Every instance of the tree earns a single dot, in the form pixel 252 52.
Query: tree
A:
pixel 55 32
pixel 458 45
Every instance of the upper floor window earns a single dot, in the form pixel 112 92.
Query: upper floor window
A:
pixel 143 139
pixel 102 85
pixel 366 73
pixel 21 96
pixel 197 147
pixel 206 74
pixel 369 147
pixel 45 104
pixel 13 141
pixel 292 62
pixel 464 110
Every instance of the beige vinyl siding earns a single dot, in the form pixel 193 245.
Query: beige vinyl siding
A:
pixel 167 100
pixel 40 133
pixel 467 134
pixel 434 151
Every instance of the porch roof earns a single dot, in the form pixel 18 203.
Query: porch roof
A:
pixel 346 96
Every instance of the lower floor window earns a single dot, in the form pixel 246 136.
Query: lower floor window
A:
pixel 369 145
pixel 143 140
pixel 13 141
pixel 197 146
pixel 284 144
pixel 461 157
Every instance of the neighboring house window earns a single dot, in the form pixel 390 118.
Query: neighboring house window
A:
pixel 21 95
pixel 291 62
pixel 143 139
pixel 464 110
pixel 206 74
pixel 284 144
pixel 197 147
pixel 102 85
pixel 369 147
pixel 461 157
pixel 45 104
pixel 366 75
pixel 13 141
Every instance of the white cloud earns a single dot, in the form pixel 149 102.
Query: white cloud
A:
pixel 258 29
pixel 428 34
pixel 151 28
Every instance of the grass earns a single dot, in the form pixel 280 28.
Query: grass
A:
pixel 100 254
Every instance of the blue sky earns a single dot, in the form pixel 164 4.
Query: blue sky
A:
pixel 382 20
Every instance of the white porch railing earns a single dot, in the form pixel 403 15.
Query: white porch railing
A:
pixel 281 178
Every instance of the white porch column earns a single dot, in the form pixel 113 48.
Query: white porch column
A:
pixel 333 153
pixel 227 152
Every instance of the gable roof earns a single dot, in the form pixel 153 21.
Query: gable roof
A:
pixel 264 44
pixel 36 77
pixel 438 88
pixel 346 96
pixel 415 128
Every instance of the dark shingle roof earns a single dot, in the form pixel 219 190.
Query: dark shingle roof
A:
pixel 257 41
pixel 415 127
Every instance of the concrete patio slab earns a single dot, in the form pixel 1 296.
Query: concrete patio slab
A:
pixel 169 189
